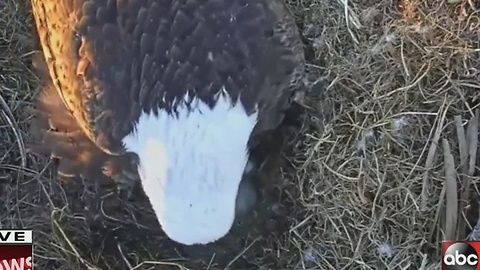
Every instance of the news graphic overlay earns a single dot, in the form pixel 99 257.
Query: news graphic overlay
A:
pixel 460 255
pixel 16 250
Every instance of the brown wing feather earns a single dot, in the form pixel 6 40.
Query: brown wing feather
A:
pixel 287 38
pixel 72 34
pixel 54 21
pixel 287 32
pixel 62 138
pixel 64 107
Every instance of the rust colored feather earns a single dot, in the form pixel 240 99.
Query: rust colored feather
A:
pixel 62 138
pixel 70 60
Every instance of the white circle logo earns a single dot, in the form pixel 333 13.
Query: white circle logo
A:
pixel 460 256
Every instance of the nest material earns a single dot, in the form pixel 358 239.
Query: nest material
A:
pixel 380 163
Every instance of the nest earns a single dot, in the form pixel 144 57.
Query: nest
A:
pixel 381 171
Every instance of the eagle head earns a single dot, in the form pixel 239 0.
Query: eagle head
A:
pixel 191 164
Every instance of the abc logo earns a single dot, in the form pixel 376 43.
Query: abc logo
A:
pixel 460 256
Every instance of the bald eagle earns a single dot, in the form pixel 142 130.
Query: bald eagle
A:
pixel 173 93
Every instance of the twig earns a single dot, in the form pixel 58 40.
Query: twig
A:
pixel 462 145
pixel 429 162
pixel 450 186
pixel 8 115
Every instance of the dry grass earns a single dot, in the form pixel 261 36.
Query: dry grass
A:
pixel 381 164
